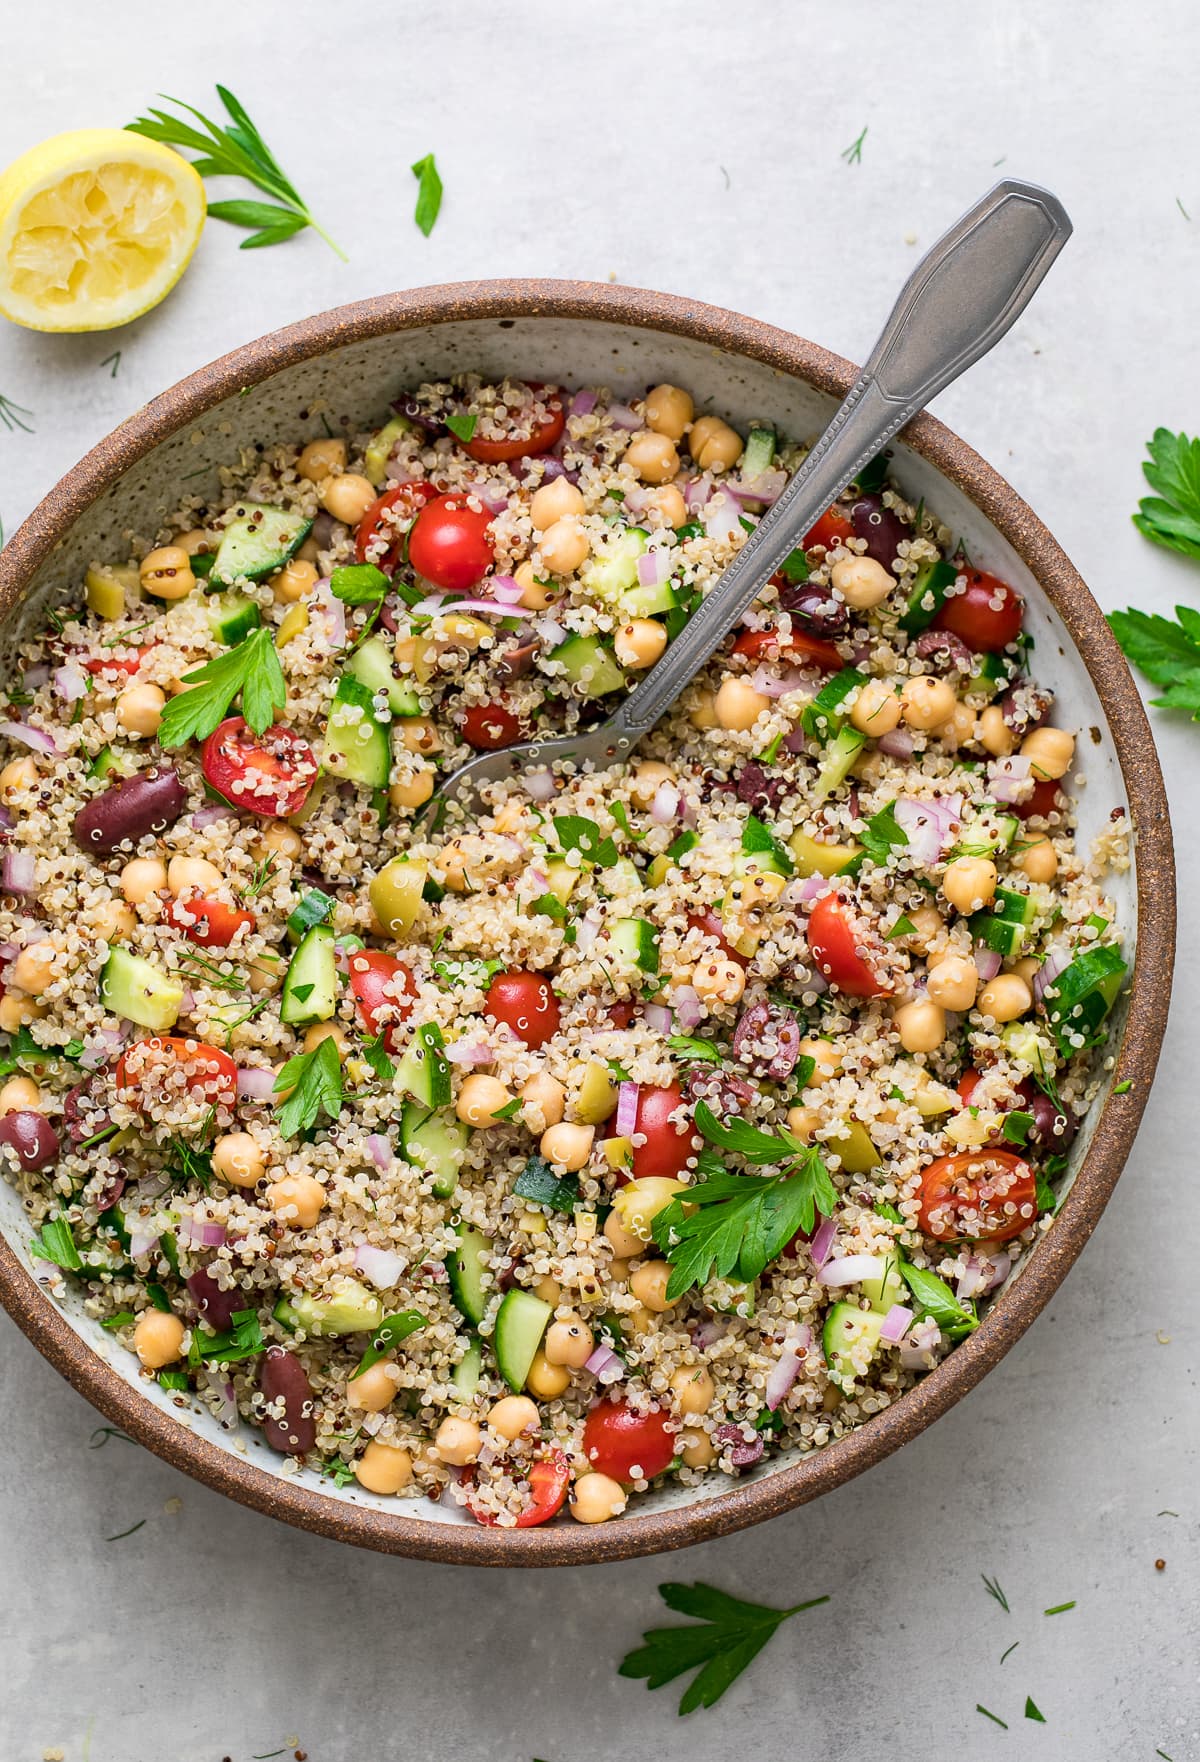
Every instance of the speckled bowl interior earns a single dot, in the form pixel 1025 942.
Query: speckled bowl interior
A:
pixel 345 367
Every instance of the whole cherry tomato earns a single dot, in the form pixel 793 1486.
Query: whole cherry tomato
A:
pixel 489 727
pixel 383 989
pixel 210 923
pixel 627 1445
pixel 405 499
pixel 987 615
pixel 710 923
pixel 1045 800
pixel 766 645
pixel 155 1063
pixel 834 944
pixel 531 434
pixel 122 664
pixel 833 528
pixel 448 543
pixel 667 1149
pixel 549 1483
pixel 966 1197
pixel 266 774
pixel 524 1002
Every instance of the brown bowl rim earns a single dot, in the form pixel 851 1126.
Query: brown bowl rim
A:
pixel 752 1502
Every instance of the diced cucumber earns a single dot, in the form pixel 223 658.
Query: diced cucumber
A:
pixel 636 942
pixel 829 709
pixel 619 878
pixel 348 1308
pixel 759 455
pixel 521 1321
pixel 434 1142
pixel 928 594
pixel 1030 1047
pixel 662 865
pixel 468 1372
pixel 1080 998
pixel 648 602
pixel 587 662
pixel 888 1289
pixel 310 989
pixel 839 756
pixel 231 616
pixel 991 672
pixel 424 1072
pixel 257 543
pixel 467 1274
pixel 813 857
pixel 597 1099
pixel 396 893
pixel 357 746
pixel 379 451
pixel 850 1334
pixel 1004 925
pixel 285 1314
pixel 104 763
pixel 139 991
pixel 612 570
pixel 988 833
pixel 371 665
pixel 314 908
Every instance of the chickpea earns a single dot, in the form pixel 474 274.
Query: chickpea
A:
pixel 197 540
pixel 623 1242
pixel 703 711
pixel 969 883
pixel 738 705
pixel 545 1380
pixel 921 1026
pixel 16 1008
pixel 383 1468
pixel 928 927
pixel 1039 860
pixel 554 501
pixel 802 1123
pixel 569 1342
pixel 19 1095
pixel 545 1099
pixel 668 503
pixel 373 1389
pixel 640 642
pixel 480 1099
pixel 266 972
pixel 646 779
pixel 876 708
pixel 140 708
pixel 959 729
pixel 418 734
pixel 668 410
pixel 535 595
pixel 693 1389
pixel 1026 969
pixel 192 875
pixel 649 1286
pixel 512 1415
pixel 415 793
pixel 862 582
pixel 1052 751
pixel 33 969
pixel 953 982
pixel 238 1159
pixel 713 444
pixel 282 840
pixel 697 1449
pixel 926 702
pixel 995 735
pixel 320 458
pixel 564 546
pixel 567 1145
pixel 346 497
pixel 618 1271
pixel 158 1338
pixel 326 1031
pixel 16 777
pixel 549 1290
pixel 596 1498
pixel 310 550
pixel 718 979
pixel 458 1442
pixel 827 1060
pixel 167 573
pixel 297 1200
pixel 1004 998
pixel 293 582
pixel 653 457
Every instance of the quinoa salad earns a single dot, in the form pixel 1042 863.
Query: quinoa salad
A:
pixel 646 1124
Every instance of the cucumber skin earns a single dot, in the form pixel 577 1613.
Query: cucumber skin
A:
pixel 521 1321
pixel 367 762
pixel 240 543
pixel 313 963
pixel 465 1272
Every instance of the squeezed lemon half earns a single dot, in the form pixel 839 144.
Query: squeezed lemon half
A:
pixel 96 227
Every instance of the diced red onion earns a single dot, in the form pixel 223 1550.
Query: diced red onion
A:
pixel 332 612
pixel 541 785
pixel 923 1338
pixel 255 1083
pixel 697 492
pixel 382 1266
pixel 665 805
pixel 929 825
pixel 621 416
pixel 653 568
pixel 797 741
pixel 972 1281
pixel 1054 963
pixel 582 404
pixel 505 588
pixel 210 816
pixel 805 890
pixel 743 1453
pixel 141 1241
pixel 788 1365
pixel 202 1232
pixel 1007 777
pixel 7 821
pixel 36 738
pixel 550 631
pixel 1001 1266
pixel 627 1107
pixel 18 874
pixel 851 1269
pixel 636 500
pixel 487 608
pixel 489 495
pixel 895 1324
pixel 658 1017
pixel 685 1001
pixel 380 1150
pixel 470 1053
pixel 69 683
pixel 767 487
pixel 897 743
pixel 723 518
pixel 606 1366
pixel 586 933
pixel 9 952
pixel 821 1246
pixel 774 680
pixel 987 962
pixel 187 1002
pixel 34 678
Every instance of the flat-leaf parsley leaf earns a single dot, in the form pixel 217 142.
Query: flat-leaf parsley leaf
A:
pixel 252 668
pixel 1172 516
pixel 315 1081
pixel 728 1636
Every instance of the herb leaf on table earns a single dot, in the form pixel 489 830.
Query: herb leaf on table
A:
pixel 730 1634
pixel 1171 517
pixel 429 202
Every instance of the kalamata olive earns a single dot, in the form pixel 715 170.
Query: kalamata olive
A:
pixel 32 1136
pixel 149 801
pixel 282 1379
pixel 882 528
pixel 759 791
pixel 82 1113
pixel 218 1307
pixel 767 1039
pixel 1053 1129
pixel 321 532
pixel 814 609
pixel 724 1091
pixel 515 662
pixel 945 650
pixel 1026 706
pixel 741 1453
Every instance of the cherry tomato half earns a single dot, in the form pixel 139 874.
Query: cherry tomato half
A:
pixel 542 434
pixel 524 1002
pixel 123 664
pixel 407 499
pixel 967 1085
pixel 965 1197
pixel 210 923
pixel 448 543
pixel 383 989
pixel 833 528
pixel 766 644
pixel 710 923
pixel 617 1441
pixel 266 774
pixel 666 1150
pixel 158 1064
pixel 1045 800
pixel 987 615
pixel 549 1483
pixel 489 727
pixel 834 944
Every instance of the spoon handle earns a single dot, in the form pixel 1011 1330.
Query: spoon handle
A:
pixel 960 300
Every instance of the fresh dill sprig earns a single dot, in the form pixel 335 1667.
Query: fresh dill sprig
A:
pixel 853 153
pixel 11 415
pixel 259 879
pixel 993 1590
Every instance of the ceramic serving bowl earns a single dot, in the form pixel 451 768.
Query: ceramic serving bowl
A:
pixel 348 364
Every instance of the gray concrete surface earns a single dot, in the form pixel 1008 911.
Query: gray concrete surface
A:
pixel 693 147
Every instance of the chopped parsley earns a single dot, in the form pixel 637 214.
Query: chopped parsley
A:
pixel 577 832
pixel 937 1301
pixel 314 1080
pixel 374 1052
pixel 359 584
pixel 730 1635
pixel 704 1050
pixel 390 1332
pixel 902 927
pixel 538 1182
pixel 1016 1126
pixel 251 669
pixel 243 1340
pixel 757 838
pixel 1032 1711
pixel 462 427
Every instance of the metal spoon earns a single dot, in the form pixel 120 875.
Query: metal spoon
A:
pixel 960 300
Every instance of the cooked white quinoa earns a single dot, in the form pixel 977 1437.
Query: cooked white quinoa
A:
pixel 148 1173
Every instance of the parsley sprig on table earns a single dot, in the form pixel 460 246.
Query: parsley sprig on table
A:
pixel 1167 653
pixel 1171 517
pixel 730 1635
pixel 315 1083
pixel 236 149
pixel 252 668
